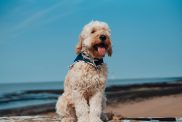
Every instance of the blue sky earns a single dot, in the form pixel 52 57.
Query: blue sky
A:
pixel 37 37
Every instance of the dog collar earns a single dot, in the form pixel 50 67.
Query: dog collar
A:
pixel 88 59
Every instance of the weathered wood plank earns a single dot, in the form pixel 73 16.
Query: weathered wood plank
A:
pixel 56 118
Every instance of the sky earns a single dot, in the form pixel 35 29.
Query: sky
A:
pixel 38 37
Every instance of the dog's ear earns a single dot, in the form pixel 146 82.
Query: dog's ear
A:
pixel 79 45
pixel 109 51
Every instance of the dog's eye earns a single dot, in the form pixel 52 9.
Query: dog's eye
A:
pixel 93 31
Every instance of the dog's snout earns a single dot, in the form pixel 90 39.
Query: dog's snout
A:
pixel 102 37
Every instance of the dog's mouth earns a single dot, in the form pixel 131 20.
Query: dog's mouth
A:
pixel 100 48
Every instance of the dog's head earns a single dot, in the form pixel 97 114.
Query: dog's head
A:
pixel 95 38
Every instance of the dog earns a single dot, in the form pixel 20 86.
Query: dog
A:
pixel 83 99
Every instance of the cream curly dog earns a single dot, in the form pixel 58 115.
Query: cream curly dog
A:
pixel 83 99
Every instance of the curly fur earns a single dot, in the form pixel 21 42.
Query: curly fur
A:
pixel 83 99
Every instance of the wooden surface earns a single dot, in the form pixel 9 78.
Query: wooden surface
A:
pixel 55 118
pixel 41 118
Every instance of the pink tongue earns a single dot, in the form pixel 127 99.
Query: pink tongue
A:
pixel 101 51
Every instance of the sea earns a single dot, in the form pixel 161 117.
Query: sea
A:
pixel 17 95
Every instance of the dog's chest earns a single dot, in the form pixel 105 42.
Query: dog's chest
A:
pixel 88 77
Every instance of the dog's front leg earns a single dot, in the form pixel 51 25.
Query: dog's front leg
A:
pixel 81 107
pixel 96 107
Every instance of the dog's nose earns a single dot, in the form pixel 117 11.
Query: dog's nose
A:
pixel 102 37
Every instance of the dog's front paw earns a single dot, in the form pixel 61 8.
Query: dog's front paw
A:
pixel 68 120
pixel 95 119
pixel 83 119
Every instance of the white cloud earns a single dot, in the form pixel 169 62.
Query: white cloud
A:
pixel 37 16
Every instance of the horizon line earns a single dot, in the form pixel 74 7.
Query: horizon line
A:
pixel 144 78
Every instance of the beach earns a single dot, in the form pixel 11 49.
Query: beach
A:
pixel 167 106
pixel 146 100
pixel 123 101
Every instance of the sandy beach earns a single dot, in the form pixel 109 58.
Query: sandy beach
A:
pixel 167 106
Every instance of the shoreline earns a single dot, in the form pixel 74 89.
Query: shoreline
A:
pixel 116 95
